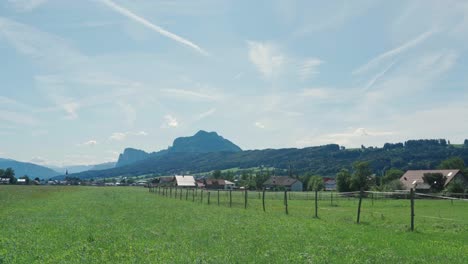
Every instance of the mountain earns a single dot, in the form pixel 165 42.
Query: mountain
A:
pixel 322 160
pixel 201 142
pixel 81 168
pixel 24 168
pixel 131 155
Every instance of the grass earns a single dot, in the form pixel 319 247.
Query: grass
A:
pixel 46 224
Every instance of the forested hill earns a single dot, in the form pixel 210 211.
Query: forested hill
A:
pixel 29 169
pixel 323 160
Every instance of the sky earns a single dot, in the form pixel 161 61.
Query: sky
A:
pixel 82 80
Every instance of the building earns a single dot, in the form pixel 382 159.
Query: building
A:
pixel 414 178
pixel 4 180
pixel 185 181
pixel 329 184
pixel 283 183
pixel 218 184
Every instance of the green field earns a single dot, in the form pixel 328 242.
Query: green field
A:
pixel 46 224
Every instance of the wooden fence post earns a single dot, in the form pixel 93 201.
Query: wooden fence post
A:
pixel 230 198
pixel 193 195
pixel 263 199
pixel 218 197
pixel 186 194
pixel 245 199
pixel 201 197
pixel 286 201
pixel 331 198
pixel 170 192
pixel 316 204
pixel 209 197
pixel 412 208
pixel 359 206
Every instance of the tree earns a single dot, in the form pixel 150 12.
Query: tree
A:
pixel 453 163
pixel 343 181
pixel 216 174
pixel 465 143
pixel 315 183
pixel 391 175
pixel 361 177
pixel 435 180
pixel 26 178
pixel 456 186
pixel 10 174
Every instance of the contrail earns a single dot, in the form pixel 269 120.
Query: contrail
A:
pixel 152 26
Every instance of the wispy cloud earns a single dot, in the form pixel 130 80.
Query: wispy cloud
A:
pixel 205 114
pixel 120 136
pixel 122 10
pixel 17 118
pixel 27 5
pixel 309 68
pixel 378 76
pixel 265 57
pixel 192 95
pixel 391 53
pixel 89 143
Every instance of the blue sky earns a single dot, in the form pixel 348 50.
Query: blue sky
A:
pixel 82 80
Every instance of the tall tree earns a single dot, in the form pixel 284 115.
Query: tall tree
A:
pixel 343 181
pixel 216 174
pixel 315 183
pixel 391 175
pixel 453 163
pixel 361 177
pixel 435 180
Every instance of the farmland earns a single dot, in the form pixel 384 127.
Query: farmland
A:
pixel 45 224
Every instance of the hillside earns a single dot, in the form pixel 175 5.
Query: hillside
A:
pixel 24 168
pixel 323 160
pixel 201 142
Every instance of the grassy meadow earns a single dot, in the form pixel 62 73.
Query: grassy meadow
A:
pixel 47 224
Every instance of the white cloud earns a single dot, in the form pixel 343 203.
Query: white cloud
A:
pixel 309 68
pixel 265 57
pixel 71 109
pixel 141 133
pixel 259 125
pixel 152 26
pixel 118 136
pixel 394 52
pixel 90 143
pixel 170 122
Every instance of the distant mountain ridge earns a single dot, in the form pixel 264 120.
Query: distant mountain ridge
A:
pixel 322 160
pixel 81 168
pixel 201 142
pixel 29 169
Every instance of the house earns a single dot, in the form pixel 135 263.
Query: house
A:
pixel 414 178
pixel 185 181
pixel 330 184
pixel 218 184
pixel 21 181
pixel 166 181
pixel 283 183
pixel 4 180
